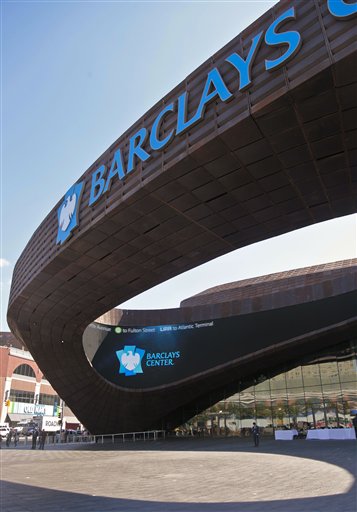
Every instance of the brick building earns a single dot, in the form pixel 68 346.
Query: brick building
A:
pixel 24 390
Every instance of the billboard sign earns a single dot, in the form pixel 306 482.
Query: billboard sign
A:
pixel 151 356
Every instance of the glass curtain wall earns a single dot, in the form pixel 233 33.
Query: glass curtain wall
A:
pixel 319 393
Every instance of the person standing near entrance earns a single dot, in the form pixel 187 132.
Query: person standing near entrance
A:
pixel 255 432
pixel 34 439
pixel 43 435
pixel 9 437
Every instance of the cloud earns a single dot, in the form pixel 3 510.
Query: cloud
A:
pixel 4 263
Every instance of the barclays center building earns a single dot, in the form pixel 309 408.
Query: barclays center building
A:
pixel 260 140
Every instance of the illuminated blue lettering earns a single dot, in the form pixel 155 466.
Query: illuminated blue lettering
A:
pixel 220 89
pixel 155 142
pixel 292 39
pixel 115 169
pixel 341 10
pixel 244 66
pixel 136 149
pixel 97 185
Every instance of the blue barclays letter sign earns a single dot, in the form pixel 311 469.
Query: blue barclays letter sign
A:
pixel 214 88
pixel 342 9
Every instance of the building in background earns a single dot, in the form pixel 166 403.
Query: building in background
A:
pixel 280 350
pixel 25 391
pixel 321 392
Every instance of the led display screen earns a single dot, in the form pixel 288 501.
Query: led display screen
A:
pixel 150 356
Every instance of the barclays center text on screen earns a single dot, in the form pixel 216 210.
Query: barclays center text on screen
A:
pixel 214 88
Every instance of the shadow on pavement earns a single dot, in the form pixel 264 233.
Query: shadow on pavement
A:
pixel 47 500
pixel 25 498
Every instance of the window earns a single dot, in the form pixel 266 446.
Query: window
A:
pixel 26 370
pixel 49 399
pixel 320 391
pixel 17 395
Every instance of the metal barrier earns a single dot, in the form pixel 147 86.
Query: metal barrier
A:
pixel 56 438
pixel 53 439
pixel 148 435
pixel 70 438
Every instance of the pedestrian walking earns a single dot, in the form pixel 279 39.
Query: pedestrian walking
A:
pixel 8 438
pixel 255 432
pixel 43 436
pixel 34 439
pixel 16 438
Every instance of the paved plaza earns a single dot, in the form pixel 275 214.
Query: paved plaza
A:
pixel 181 475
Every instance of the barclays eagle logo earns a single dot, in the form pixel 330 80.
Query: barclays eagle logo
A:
pixel 130 360
pixel 67 213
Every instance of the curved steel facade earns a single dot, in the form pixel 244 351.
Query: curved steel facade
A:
pixel 276 157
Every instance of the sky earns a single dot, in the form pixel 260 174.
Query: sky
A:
pixel 74 76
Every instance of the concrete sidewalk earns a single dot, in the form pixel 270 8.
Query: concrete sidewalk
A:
pixel 182 475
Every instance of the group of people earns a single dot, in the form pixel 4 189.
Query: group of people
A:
pixel 255 430
pixel 41 436
pixel 12 435
pixel 38 434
